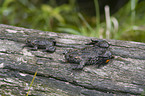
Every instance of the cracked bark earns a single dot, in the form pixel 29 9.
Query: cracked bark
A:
pixel 124 75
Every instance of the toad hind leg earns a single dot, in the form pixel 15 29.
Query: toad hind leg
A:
pixel 34 48
pixel 50 49
pixel 81 66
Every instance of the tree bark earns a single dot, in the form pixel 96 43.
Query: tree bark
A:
pixel 123 76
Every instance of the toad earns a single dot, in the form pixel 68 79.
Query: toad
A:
pixel 97 53
pixel 41 43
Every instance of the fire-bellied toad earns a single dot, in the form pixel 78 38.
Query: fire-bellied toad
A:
pixel 48 44
pixel 98 54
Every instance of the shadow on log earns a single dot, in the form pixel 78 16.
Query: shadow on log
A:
pixel 123 76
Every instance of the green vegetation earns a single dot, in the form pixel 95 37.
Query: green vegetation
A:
pixel 131 19
pixel 31 83
pixel 126 24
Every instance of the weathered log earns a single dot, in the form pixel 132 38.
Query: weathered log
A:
pixel 124 75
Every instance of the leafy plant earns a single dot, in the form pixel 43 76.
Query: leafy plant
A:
pixel 131 19
pixel 25 13
pixel 83 27
pixel 126 24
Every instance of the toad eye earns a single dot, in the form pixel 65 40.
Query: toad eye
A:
pixel 107 61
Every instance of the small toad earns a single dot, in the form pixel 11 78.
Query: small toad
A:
pixel 98 53
pixel 41 43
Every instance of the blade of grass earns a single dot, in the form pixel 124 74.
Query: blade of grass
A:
pixel 108 22
pixel 115 27
pixel 83 19
pixel 115 24
pixel 69 30
pixel 31 83
pixel 133 6
pixel 97 18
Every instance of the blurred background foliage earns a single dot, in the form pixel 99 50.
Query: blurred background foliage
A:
pixel 121 19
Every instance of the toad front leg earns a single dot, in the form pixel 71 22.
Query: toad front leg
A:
pixel 35 47
pixel 80 66
pixel 50 48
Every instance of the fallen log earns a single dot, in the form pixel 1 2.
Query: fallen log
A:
pixel 124 75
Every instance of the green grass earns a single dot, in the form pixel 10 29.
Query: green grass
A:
pixel 31 83
pixel 126 24
pixel 131 19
